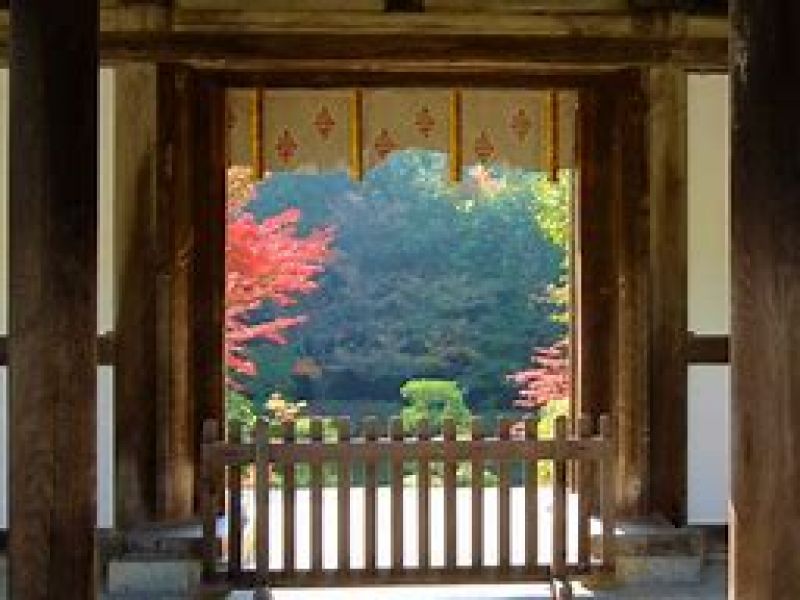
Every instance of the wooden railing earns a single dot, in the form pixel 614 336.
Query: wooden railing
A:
pixel 272 452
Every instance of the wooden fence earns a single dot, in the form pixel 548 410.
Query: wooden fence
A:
pixel 589 452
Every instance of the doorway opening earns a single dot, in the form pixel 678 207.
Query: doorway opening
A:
pixel 402 254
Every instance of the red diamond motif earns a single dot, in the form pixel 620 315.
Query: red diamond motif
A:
pixel 521 124
pixel 384 144
pixel 324 122
pixel 286 146
pixel 484 148
pixel 425 122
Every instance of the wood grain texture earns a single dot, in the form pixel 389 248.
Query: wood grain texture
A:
pixel 410 45
pixel 53 297
pixel 631 212
pixel 135 243
pixel 766 301
pixel 208 197
pixel 669 296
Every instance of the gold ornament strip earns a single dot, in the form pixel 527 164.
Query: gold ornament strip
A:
pixel 258 134
pixel 357 136
pixel 456 137
pixel 554 140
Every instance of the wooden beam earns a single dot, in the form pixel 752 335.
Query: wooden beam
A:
pixel 410 46
pixel 106 350
pixel 765 215
pixel 708 349
pixel 53 298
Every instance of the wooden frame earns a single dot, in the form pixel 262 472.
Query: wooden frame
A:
pixel 604 155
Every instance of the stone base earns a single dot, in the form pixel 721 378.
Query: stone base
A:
pixel 653 552
pixel 155 576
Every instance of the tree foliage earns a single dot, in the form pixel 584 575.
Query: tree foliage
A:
pixel 430 280
pixel 267 261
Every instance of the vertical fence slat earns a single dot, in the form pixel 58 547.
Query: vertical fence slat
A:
pixel 477 497
pixel 608 506
pixel 370 490
pixel 209 500
pixel 531 499
pixel 288 502
pixel 504 500
pixel 316 500
pixel 450 494
pixel 585 469
pixel 262 502
pixel 396 434
pixel 344 498
pixel 559 567
pixel 423 501
pixel 235 499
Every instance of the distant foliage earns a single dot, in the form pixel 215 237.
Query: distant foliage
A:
pixel 548 379
pixel 430 280
pixel 434 400
pixel 267 262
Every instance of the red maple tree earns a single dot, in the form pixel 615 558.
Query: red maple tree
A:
pixel 547 380
pixel 266 262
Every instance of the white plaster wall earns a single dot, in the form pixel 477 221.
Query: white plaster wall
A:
pixel 105 303
pixel 709 295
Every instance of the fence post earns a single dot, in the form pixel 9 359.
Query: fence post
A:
pixel 477 497
pixel 288 500
pixel 424 500
pixel 532 497
pixel 209 501
pixel 396 435
pixel 450 493
pixel 262 502
pixel 559 567
pixel 504 499
pixel 316 498
pixel 235 501
pixel 608 508
pixel 586 478
pixel 343 498
pixel 370 490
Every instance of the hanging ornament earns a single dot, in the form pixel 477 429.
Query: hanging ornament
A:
pixel 456 137
pixel 258 134
pixel 554 134
pixel 356 136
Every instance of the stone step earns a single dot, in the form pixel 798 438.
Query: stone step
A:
pixel 154 577
pixel 653 551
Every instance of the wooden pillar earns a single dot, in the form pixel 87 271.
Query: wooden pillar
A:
pixel 632 251
pixel 53 278
pixel 612 274
pixel 765 214
pixel 175 414
pixel 668 255
pixel 208 290
pixel 135 224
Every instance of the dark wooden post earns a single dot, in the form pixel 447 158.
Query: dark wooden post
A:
pixel 765 213
pixel 53 275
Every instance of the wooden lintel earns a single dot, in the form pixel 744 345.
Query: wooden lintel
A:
pixel 288 46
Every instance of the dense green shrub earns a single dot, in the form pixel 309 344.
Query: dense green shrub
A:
pixel 434 400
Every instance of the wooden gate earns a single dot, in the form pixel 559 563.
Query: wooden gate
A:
pixel 331 458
